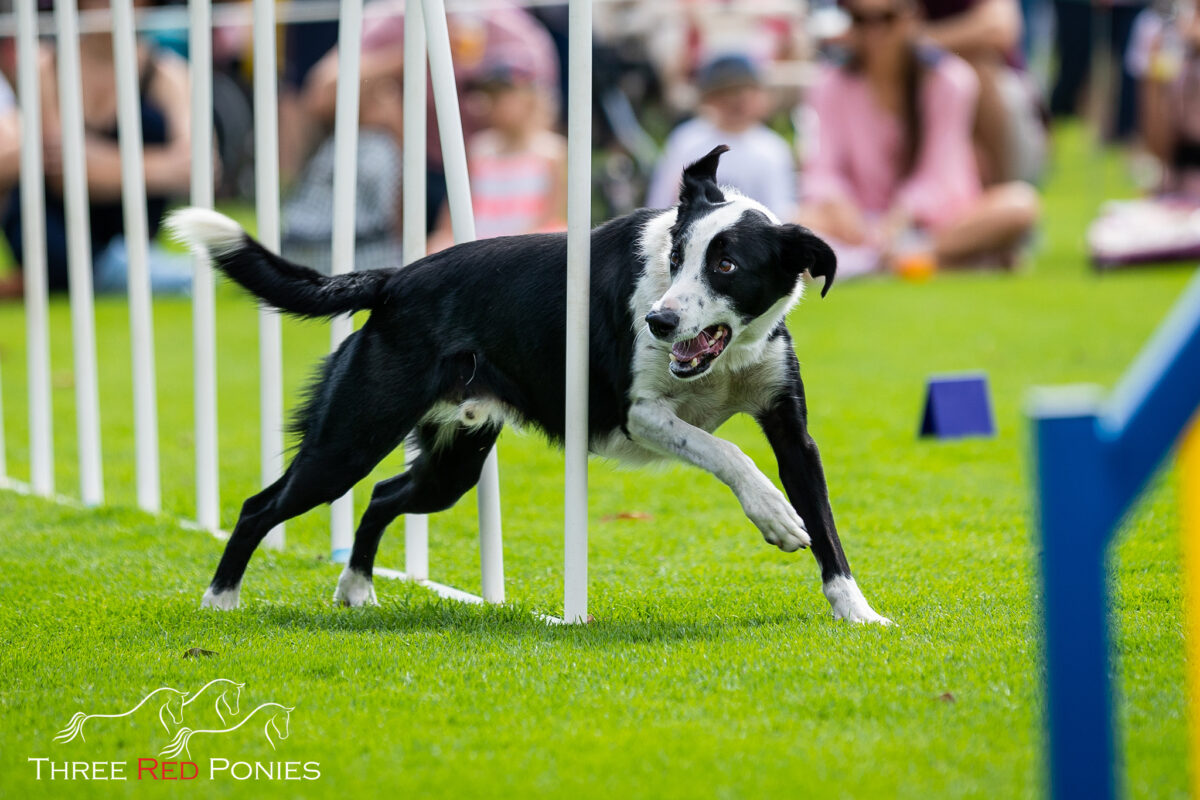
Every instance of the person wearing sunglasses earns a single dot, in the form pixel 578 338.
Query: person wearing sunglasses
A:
pixel 893 156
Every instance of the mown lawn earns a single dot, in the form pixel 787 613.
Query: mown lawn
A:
pixel 713 668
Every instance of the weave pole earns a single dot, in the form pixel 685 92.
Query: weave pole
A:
pixel 462 218
pixel 33 232
pixel 579 223
pixel 266 197
pixel 416 526
pixel 3 448
pixel 1189 473
pixel 345 186
pixel 79 254
pixel 204 360
pixel 137 239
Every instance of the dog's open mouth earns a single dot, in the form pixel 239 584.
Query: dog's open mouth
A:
pixel 693 357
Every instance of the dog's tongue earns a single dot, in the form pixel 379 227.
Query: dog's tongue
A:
pixel 690 348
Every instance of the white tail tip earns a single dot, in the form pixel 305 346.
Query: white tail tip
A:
pixel 205 229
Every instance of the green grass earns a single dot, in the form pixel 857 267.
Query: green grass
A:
pixel 713 667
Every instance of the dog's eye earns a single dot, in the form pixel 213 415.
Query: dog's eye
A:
pixel 675 259
pixel 726 266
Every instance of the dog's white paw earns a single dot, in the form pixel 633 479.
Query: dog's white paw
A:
pixel 222 601
pixel 774 516
pixel 354 589
pixel 849 604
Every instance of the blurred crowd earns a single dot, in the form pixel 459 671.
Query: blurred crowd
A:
pixel 912 134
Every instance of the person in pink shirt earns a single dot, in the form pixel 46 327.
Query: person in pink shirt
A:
pixel 893 160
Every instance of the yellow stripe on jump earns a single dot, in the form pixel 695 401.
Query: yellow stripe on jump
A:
pixel 1189 469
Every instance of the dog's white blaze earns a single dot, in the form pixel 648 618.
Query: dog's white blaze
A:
pixel 204 229
pixel 848 602
pixel 691 297
pixel 222 601
pixel 354 589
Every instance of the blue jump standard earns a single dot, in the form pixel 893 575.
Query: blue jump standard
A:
pixel 957 405
pixel 1094 457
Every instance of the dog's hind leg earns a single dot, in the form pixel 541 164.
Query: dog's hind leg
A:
pixel 436 480
pixel 306 484
pixel 358 414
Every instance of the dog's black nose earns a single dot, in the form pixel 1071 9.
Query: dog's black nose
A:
pixel 663 322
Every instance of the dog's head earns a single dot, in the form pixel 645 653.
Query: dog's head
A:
pixel 734 272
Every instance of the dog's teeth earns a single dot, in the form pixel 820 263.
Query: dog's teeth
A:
pixel 720 332
pixel 674 357
pixel 696 361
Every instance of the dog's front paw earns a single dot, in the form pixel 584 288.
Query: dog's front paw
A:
pixel 354 589
pixel 774 516
pixel 226 600
pixel 849 604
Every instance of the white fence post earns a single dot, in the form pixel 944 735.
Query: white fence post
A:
pixel 79 254
pixel 579 223
pixel 416 526
pixel 204 364
pixel 266 183
pixel 137 239
pixel 462 218
pixel 33 232
pixel 345 187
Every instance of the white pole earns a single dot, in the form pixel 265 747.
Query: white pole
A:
pixel 79 254
pixel 3 450
pixel 462 218
pixel 33 231
pixel 416 526
pixel 204 359
pixel 345 180
pixel 579 223
pixel 137 241
pixel 266 189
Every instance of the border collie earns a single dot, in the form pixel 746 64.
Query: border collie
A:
pixel 687 329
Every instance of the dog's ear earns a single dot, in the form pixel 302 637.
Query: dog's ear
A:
pixel 803 250
pixel 700 180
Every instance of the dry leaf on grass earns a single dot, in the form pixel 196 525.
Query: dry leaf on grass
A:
pixel 196 652
pixel 638 515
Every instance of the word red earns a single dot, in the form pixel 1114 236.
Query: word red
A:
pixel 167 770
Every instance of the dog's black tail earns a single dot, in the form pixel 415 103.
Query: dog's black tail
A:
pixel 289 287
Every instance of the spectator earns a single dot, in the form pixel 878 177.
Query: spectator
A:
pixel 166 125
pixel 1165 56
pixel 10 169
pixel 1074 37
pixel 733 106
pixel 475 38
pixel 681 37
pixel 307 214
pixel 305 44
pixel 986 34
pixel 894 154
pixel 517 163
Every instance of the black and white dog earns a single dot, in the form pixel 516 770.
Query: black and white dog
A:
pixel 687 329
